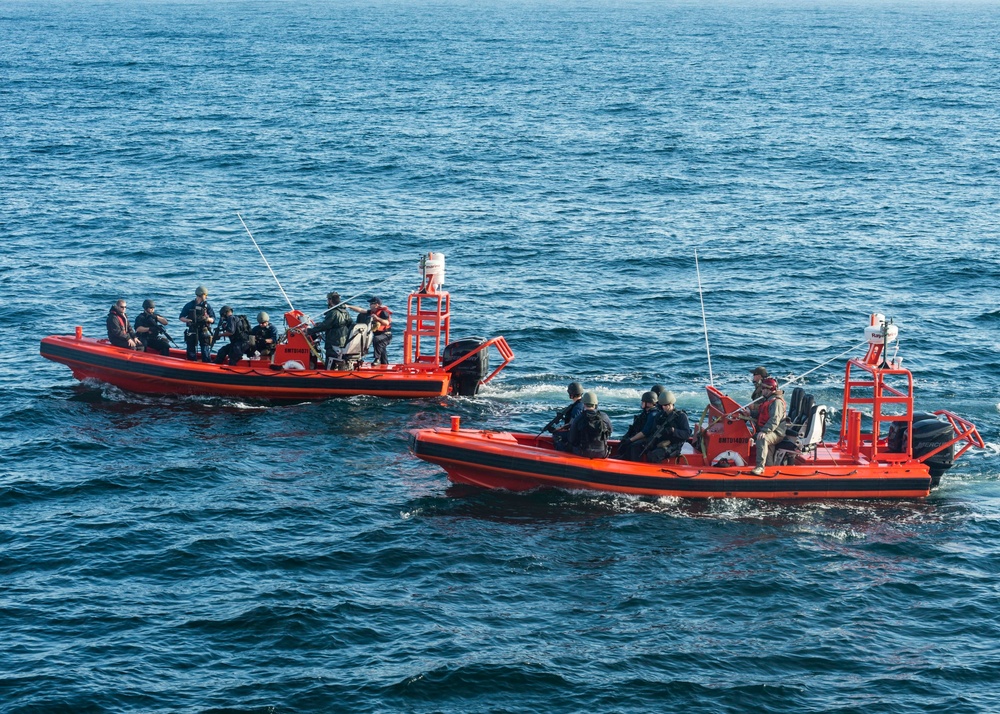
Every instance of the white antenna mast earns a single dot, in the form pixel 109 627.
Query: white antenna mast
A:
pixel 704 322
pixel 265 261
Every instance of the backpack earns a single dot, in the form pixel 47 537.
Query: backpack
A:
pixel 241 329
pixel 594 428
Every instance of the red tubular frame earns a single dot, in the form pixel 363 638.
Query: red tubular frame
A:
pixel 964 430
pixel 502 347
pixel 882 395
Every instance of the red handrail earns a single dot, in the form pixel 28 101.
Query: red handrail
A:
pixel 964 430
pixel 502 347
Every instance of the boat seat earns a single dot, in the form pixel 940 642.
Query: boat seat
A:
pixel 809 436
pixel 352 353
pixel 815 428
pixel 795 403
pixel 801 416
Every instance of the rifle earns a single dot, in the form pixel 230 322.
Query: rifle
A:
pixel 158 328
pixel 653 438
pixel 550 427
pixel 167 335
pixel 658 432
pixel 197 322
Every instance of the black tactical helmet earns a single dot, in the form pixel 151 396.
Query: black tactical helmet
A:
pixel 648 398
pixel 575 389
pixel 657 388
pixel 226 310
pixel 146 304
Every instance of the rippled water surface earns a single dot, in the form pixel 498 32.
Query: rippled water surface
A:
pixel 826 161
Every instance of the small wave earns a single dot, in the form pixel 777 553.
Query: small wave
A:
pixel 460 680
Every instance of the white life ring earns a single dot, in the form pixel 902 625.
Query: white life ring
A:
pixel 732 457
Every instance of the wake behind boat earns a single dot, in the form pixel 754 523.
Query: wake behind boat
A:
pixel 432 365
pixel 884 450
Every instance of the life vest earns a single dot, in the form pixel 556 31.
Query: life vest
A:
pixel 197 314
pixel 764 415
pixel 638 421
pixel 126 328
pixel 671 428
pixel 386 314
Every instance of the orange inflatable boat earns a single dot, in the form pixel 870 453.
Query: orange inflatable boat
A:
pixel 432 365
pixel 884 448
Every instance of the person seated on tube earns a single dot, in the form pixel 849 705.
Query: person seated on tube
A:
pixel 265 336
pixel 560 435
pixel 590 430
pixel 149 329
pixel 648 405
pixel 665 431
pixel 120 332
pixel 670 430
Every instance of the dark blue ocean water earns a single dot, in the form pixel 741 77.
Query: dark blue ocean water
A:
pixel 825 160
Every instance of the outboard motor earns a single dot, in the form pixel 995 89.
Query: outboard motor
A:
pixel 896 438
pixel 467 374
pixel 929 434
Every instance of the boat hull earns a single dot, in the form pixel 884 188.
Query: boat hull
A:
pixel 148 373
pixel 518 462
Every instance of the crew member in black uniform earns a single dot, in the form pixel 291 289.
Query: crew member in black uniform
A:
pixel 665 431
pixel 638 421
pixel 590 430
pixel 670 430
pixel 265 335
pixel 149 328
pixel 571 412
pixel 198 315
pixel 232 327
pixel 381 322
pixel 336 326
pixel 120 332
